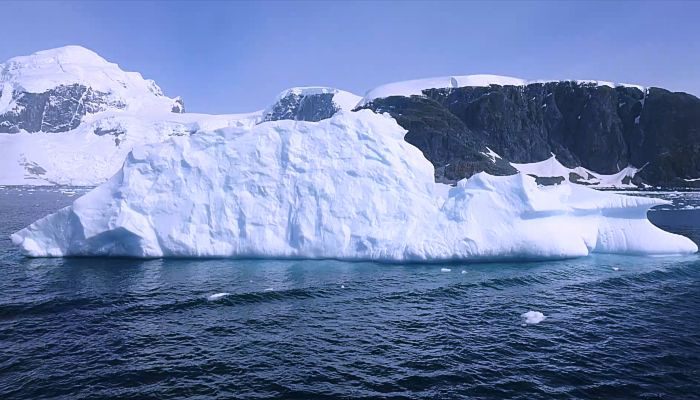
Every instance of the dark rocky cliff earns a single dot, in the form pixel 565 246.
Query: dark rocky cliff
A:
pixel 600 128
pixel 59 109
pixel 302 107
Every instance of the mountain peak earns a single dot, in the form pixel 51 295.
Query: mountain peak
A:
pixel 76 65
pixel 67 54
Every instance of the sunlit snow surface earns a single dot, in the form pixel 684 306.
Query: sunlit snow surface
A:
pixel 348 187
pixel 81 158
pixel 94 151
pixel 69 65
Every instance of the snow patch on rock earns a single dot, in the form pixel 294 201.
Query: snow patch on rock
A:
pixel 551 167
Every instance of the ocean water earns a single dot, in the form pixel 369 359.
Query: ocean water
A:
pixel 613 327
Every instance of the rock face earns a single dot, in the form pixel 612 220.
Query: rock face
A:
pixel 445 140
pixel 303 108
pixel 309 104
pixel 601 128
pixel 178 105
pixel 56 110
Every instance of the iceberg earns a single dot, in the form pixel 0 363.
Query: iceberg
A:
pixel 348 187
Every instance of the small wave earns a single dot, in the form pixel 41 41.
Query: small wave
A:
pixel 533 317
pixel 445 270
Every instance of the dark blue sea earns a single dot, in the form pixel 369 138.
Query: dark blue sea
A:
pixel 615 328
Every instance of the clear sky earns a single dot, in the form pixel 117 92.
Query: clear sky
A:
pixel 236 56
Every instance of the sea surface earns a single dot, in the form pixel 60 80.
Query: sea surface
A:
pixel 614 327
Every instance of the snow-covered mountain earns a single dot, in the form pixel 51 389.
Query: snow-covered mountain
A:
pixel 627 134
pixel 69 117
pixel 52 90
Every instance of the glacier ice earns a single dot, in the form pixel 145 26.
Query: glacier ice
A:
pixel 348 187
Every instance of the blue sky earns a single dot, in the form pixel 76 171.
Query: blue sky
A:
pixel 236 56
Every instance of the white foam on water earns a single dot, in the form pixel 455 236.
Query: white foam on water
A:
pixel 445 270
pixel 533 317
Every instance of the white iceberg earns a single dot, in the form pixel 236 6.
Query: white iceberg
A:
pixel 348 187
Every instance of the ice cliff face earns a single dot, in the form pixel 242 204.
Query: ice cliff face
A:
pixel 347 187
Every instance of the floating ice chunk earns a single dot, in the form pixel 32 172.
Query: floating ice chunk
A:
pixel 348 187
pixel 533 317
pixel 445 270
pixel 218 296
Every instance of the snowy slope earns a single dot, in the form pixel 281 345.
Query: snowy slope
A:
pixel 83 158
pixel 93 139
pixel 415 87
pixel 551 167
pixel 45 70
pixel 348 187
